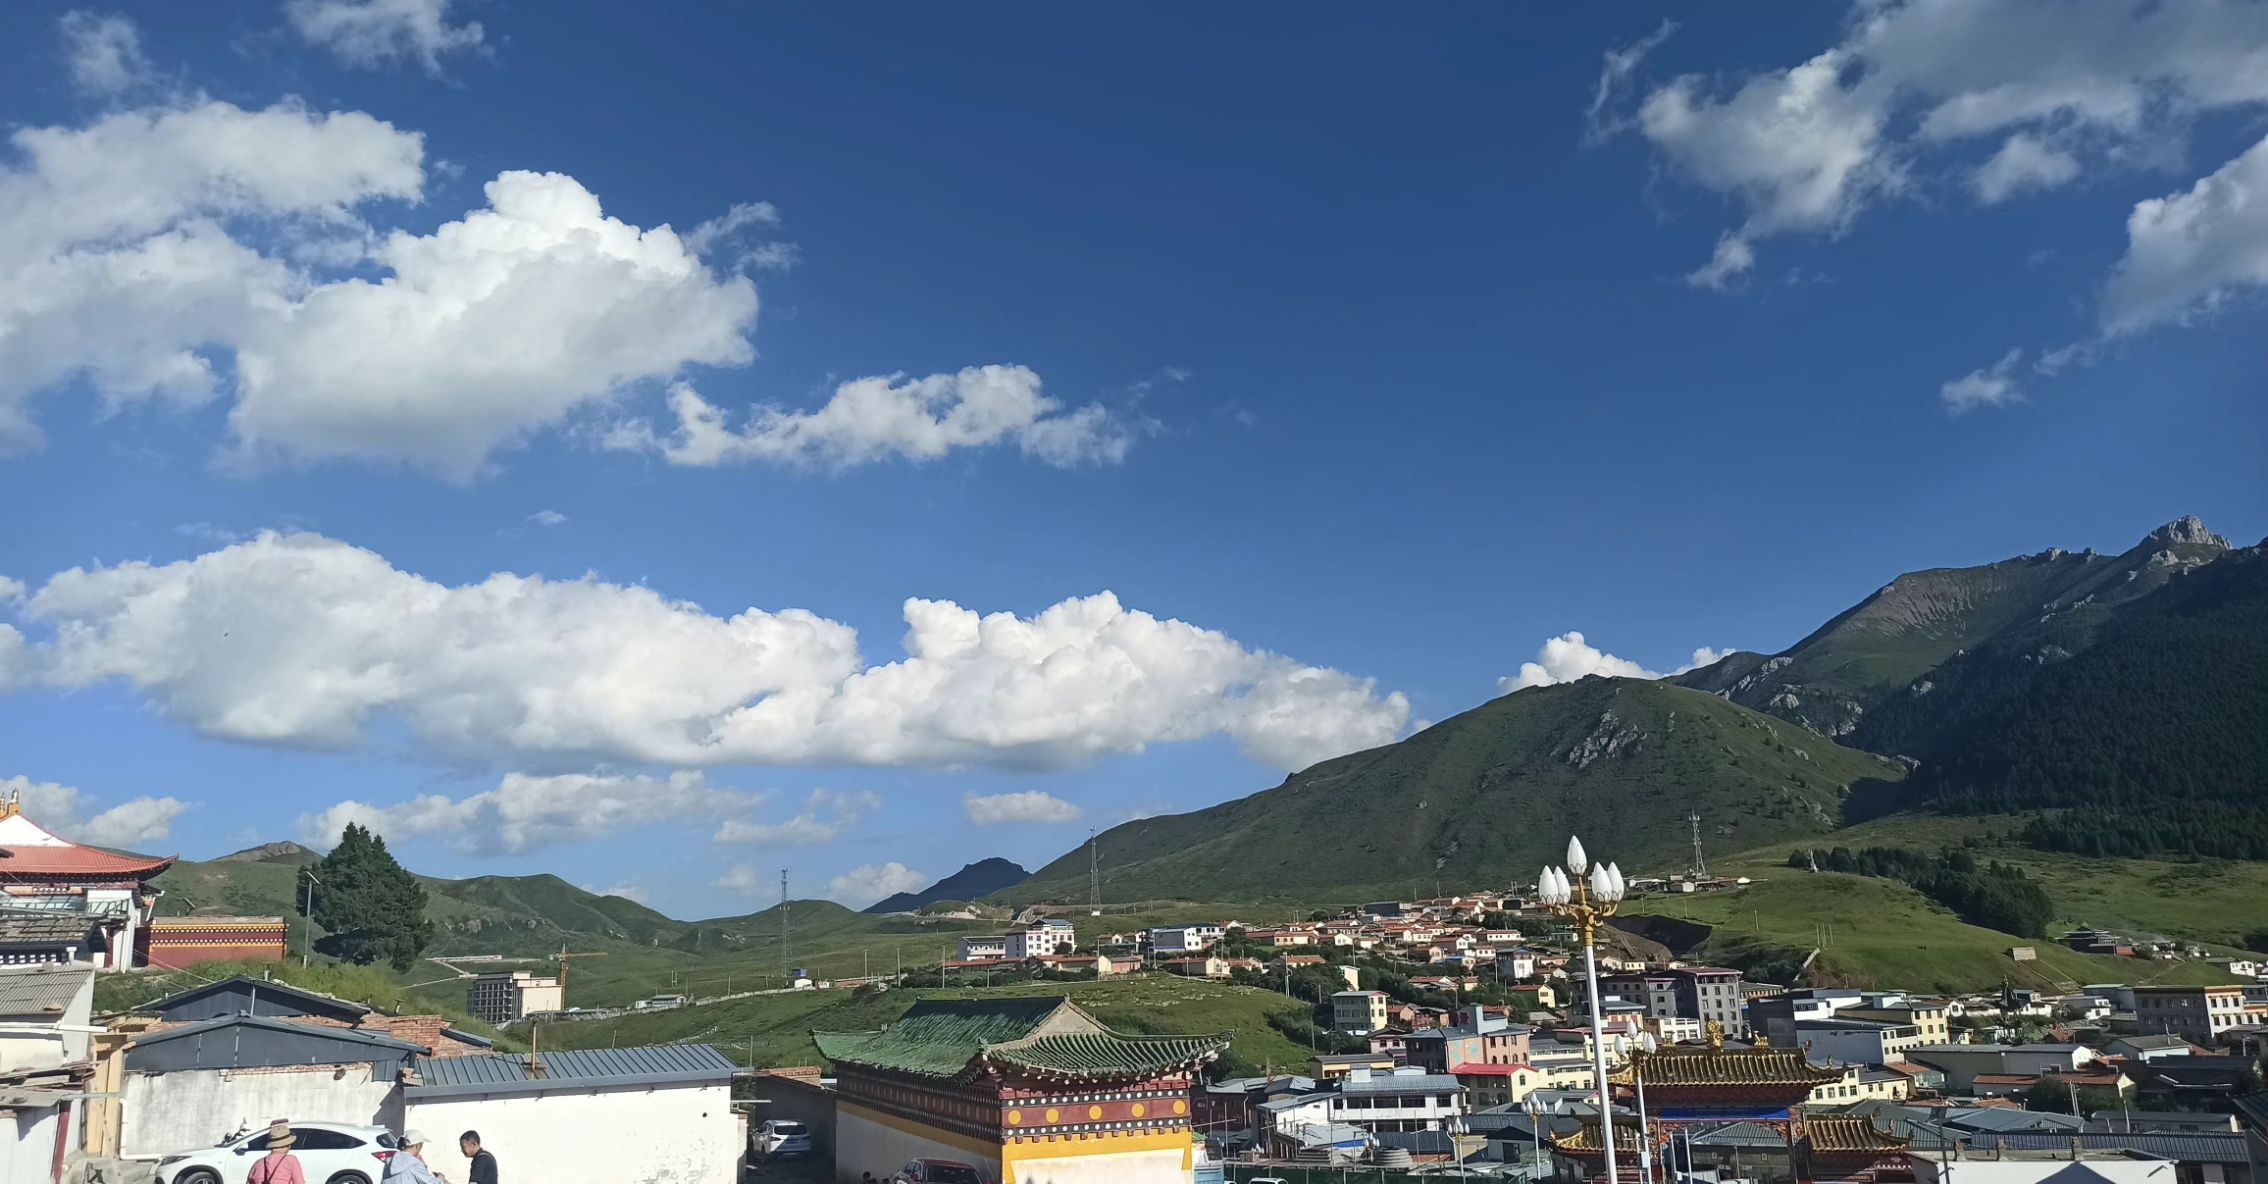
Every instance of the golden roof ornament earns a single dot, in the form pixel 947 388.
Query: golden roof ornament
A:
pixel 1714 1032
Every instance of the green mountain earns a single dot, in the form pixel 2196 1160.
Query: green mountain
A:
pixel 1890 642
pixel 1488 796
pixel 973 882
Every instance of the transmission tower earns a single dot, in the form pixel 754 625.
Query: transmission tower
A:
pixel 1700 866
pixel 1094 875
pixel 786 968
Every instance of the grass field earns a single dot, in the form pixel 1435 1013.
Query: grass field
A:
pixel 1881 933
pixel 775 1030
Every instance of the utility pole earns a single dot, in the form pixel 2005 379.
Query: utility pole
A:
pixel 310 918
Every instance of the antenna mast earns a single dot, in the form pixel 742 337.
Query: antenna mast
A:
pixel 785 930
pixel 1700 867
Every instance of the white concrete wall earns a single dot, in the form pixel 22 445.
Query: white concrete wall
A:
pixel 864 1145
pixel 2033 1171
pixel 194 1108
pixel 27 1146
pixel 680 1135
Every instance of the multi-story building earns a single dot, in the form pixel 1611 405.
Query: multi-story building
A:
pixel 2196 1014
pixel 1710 993
pixel 1928 1015
pixel 1487 1086
pixel 1655 992
pixel 1358 1012
pixel 1045 938
pixel 1477 1038
pixel 503 998
pixel 1404 1100
pixel 1856 1042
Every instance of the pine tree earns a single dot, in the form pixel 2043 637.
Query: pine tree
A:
pixel 369 906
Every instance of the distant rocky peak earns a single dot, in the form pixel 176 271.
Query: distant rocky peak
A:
pixel 2187 529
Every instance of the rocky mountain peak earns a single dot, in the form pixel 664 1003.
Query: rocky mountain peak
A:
pixel 2187 529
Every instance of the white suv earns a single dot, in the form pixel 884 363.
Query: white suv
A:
pixel 328 1152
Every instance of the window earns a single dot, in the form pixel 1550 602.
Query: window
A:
pixel 318 1139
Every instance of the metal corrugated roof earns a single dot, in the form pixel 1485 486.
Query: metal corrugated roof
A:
pixel 661 1064
pixel 2187 1148
pixel 42 990
pixel 1399 1083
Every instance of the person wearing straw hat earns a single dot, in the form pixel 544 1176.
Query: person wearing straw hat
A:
pixel 279 1165
pixel 407 1166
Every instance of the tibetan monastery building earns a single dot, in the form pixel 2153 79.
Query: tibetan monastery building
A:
pixel 1026 1091
pixel 52 889
pixel 1697 1093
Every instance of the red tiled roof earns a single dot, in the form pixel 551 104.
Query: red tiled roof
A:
pixel 19 862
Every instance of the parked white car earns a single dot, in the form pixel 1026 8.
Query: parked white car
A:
pixel 328 1152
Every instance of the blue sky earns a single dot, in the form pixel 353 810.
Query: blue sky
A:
pixel 1378 352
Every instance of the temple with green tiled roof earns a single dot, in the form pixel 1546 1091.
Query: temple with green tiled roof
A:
pixel 1017 1088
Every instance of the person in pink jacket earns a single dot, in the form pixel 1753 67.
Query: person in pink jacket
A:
pixel 279 1165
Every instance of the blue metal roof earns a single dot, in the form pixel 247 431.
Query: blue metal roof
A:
pixel 2186 1148
pixel 251 1041
pixel 661 1064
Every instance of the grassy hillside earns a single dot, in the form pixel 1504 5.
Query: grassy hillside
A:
pixel 1875 932
pixel 775 1030
pixel 1487 796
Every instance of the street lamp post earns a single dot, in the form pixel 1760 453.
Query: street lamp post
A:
pixel 1586 902
pixel 1647 1042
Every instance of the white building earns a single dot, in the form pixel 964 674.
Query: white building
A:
pixel 657 1115
pixel 1184 939
pixel 1856 1042
pixel 1403 1100
pixel 1045 938
pixel 1358 1012
pixel 990 948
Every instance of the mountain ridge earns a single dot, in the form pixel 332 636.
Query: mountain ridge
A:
pixel 973 882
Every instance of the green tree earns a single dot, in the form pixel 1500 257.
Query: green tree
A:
pixel 369 907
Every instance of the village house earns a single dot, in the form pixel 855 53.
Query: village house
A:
pixel 1185 939
pixel 988 948
pixel 1496 1085
pixel 561 1113
pixel 1329 1068
pixel 1206 967
pixel 1043 938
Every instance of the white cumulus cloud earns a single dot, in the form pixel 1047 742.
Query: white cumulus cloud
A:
pixel 371 33
pixel 827 815
pixel 528 813
pixel 492 326
pixel 62 809
pixel 1569 656
pixel 869 882
pixel 2023 163
pixel 634 891
pixel 306 641
pixel 104 52
pixel 2188 252
pixel 1992 386
pixel 1023 806
pixel 893 417
pixel 742 878
pixel 1900 99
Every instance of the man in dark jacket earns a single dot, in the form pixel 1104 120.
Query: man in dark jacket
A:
pixel 483 1164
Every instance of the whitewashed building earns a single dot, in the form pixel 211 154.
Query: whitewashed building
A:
pixel 658 1115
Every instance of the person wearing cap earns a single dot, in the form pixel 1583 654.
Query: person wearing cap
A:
pixel 407 1166
pixel 279 1165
